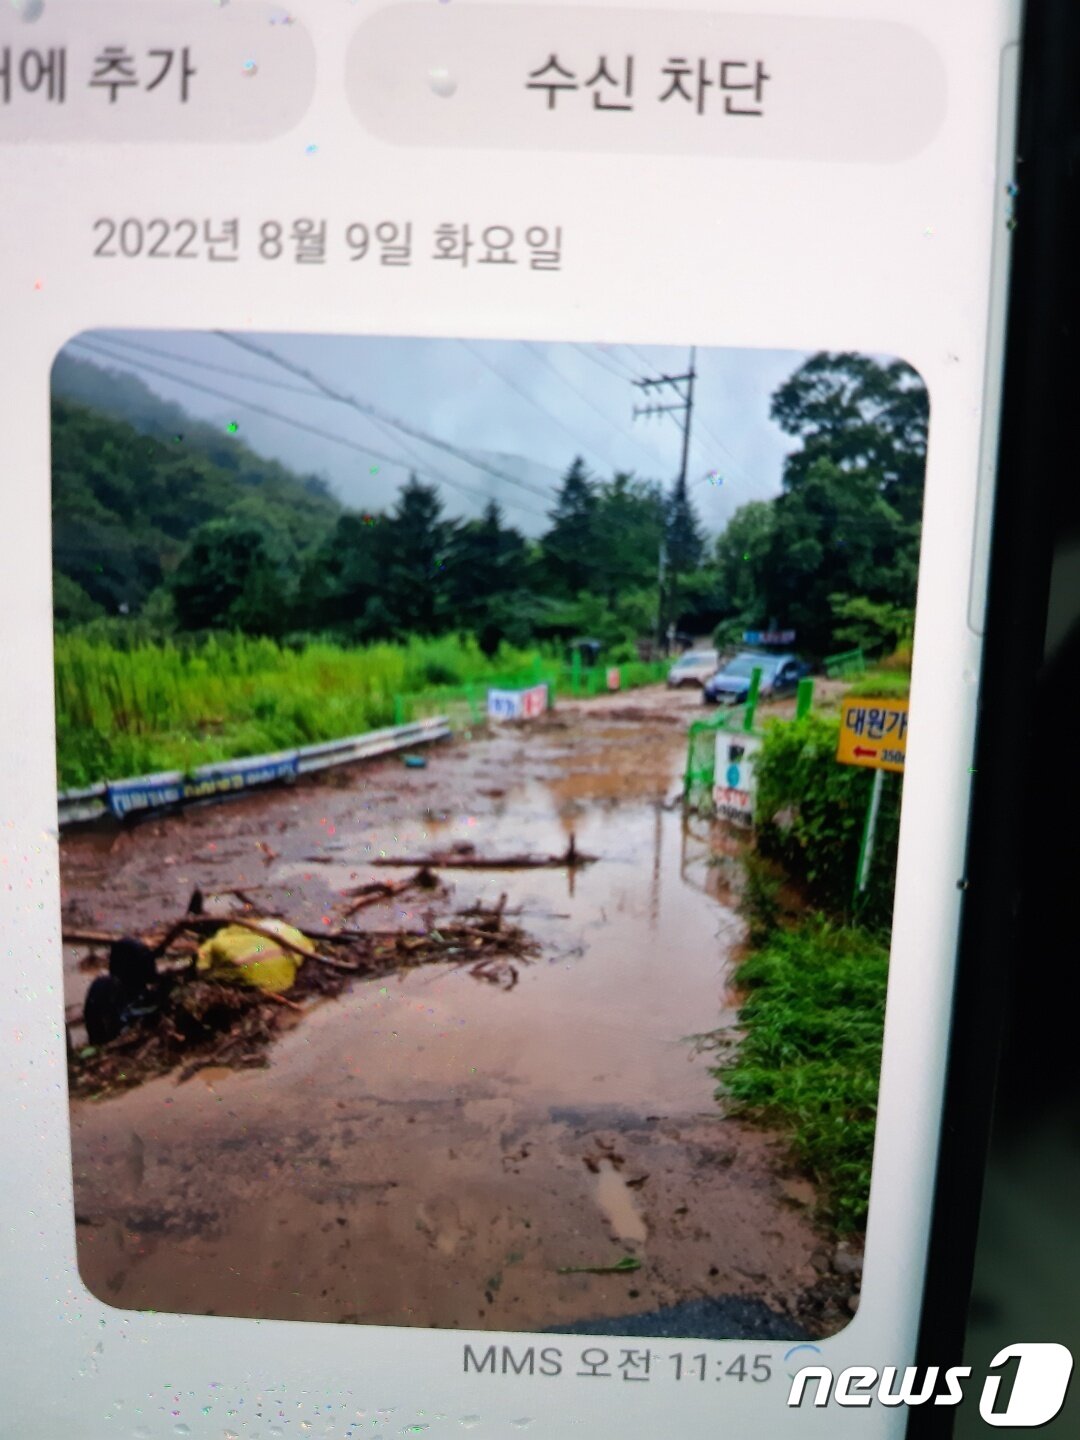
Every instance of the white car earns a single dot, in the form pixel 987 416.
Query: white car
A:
pixel 693 668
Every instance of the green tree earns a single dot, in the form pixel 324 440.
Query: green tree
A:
pixel 229 579
pixel 846 527
pixel 340 582
pixel 683 547
pixel 413 570
pixel 570 546
pixel 629 518
pixel 485 568
pixel 682 531
pixel 863 416
pixel 71 604
pixel 128 494
pixel 874 626
pixel 834 534
pixel 741 557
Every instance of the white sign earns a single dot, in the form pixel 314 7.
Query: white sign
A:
pixel 733 783
pixel 517 704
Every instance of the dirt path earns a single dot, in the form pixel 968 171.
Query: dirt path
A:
pixel 433 1150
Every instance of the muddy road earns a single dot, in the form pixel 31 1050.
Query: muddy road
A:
pixel 430 1149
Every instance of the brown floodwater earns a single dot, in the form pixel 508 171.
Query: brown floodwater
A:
pixel 430 1149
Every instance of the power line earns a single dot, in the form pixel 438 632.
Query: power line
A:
pixel 372 412
pixel 311 394
pixel 525 395
pixel 424 468
pixel 720 445
pixel 702 425
pixel 96 349
pixel 411 451
pixel 714 440
pixel 580 395
pixel 714 471
pixel 641 360
pixel 126 344
pixel 357 446
pixel 594 353
pixel 611 353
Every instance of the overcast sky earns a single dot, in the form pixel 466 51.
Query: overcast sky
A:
pixel 523 410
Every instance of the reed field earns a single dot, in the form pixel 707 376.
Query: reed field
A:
pixel 135 710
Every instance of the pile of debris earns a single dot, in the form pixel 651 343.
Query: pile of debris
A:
pixel 216 990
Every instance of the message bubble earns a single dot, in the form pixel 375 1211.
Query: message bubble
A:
pixel 641 81
pixel 153 71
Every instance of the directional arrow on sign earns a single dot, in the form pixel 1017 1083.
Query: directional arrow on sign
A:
pixel 851 745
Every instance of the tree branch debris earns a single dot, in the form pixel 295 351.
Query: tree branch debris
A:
pixel 192 1022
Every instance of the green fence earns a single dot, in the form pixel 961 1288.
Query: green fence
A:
pixel 699 778
pixel 848 662
pixel 465 706
pixel 578 680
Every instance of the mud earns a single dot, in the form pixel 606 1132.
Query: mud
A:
pixel 427 1149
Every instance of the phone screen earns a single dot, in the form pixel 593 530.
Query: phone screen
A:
pixel 497 501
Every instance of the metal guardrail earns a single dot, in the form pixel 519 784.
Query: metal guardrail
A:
pixel 372 743
pixel 86 804
pixel 229 777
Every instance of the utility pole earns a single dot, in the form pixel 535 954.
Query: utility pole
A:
pixel 683 406
pixel 661 580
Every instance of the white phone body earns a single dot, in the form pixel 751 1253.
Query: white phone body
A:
pixel 865 211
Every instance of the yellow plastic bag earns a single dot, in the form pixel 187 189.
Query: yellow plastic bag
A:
pixel 240 957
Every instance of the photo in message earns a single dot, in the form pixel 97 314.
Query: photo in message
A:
pixel 480 769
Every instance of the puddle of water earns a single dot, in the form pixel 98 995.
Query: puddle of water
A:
pixel 634 961
pixel 616 1200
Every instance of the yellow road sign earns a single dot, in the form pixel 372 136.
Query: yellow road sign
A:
pixel 873 732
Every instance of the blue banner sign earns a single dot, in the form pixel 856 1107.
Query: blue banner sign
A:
pixel 768 637
pixel 517 704
pixel 240 775
pixel 151 792
pixel 148 793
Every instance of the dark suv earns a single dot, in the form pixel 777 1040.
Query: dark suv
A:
pixel 780 674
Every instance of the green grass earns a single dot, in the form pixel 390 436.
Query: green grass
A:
pixel 131 711
pixel 882 684
pixel 809 1059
